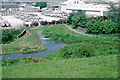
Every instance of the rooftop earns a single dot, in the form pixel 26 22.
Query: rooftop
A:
pixel 8 4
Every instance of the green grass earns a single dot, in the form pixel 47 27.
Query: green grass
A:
pixel 82 50
pixel 104 64
pixel 62 33
pixel 94 67
pixel 112 36
pixel 29 43
pixel 10 35
pixel 104 45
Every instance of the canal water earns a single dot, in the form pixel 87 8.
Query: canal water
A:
pixel 51 45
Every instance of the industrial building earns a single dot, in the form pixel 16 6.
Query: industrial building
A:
pixel 10 21
pixel 8 5
pixel 89 9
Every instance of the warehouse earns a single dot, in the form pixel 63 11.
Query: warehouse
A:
pixel 89 9
pixel 8 5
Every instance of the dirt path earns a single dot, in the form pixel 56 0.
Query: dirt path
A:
pixel 79 32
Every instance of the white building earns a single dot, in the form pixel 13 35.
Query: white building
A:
pixel 89 9
pixel 114 1
pixel 14 22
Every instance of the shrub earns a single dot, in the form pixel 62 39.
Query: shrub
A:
pixel 9 62
pixel 43 22
pixel 60 21
pixel 34 24
pixel 77 19
pixel 9 35
pixel 102 27
pixel 53 22
pixel 29 58
pixel 77 50
pixel 41 4
pixel 42 60
pixel 26 25
pixel 34 60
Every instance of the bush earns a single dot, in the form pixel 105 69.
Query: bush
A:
pixel 60 21
pixel 53 22
pixel 102 27
pixel 34 60
pixel 77 19
pixel 41 4
pixel 43 22
pixel 34 24
pixel 9 35
pixel 9 62
pixel 77 50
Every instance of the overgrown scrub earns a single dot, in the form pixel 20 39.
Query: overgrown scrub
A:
pixel 29 43
pixel 96 25
pixel 79 50
pixel 94 67
pixel 41 4
pixel 102 27
pixel 77 19
pixel 62 33
pixel 9 35
pixel 10 62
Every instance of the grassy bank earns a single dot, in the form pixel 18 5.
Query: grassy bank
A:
pixel 29 43
pixel 79 50
pixel 10 35
pixel 104 45
pixel 94 67
pixel 114 36
pixel 62 33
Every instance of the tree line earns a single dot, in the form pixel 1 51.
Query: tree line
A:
pixel 98 25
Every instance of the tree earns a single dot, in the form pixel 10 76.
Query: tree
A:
pixel 77 19
pixel 69 20
pixel 114 13
pixel 41 4
pixel 34 24
pixel 102 27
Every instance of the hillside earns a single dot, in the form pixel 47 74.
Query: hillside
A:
pixel 94 67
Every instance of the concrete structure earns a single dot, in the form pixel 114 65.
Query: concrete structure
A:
pixel 114 1
pixel 53 5
pixel 32 0
pixel 64 7
pixel 88 9
pixel 14 22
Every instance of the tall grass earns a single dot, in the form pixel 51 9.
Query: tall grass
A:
pixel 29 43
pixel 62 33
pixel 93 67
pixel 80 50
